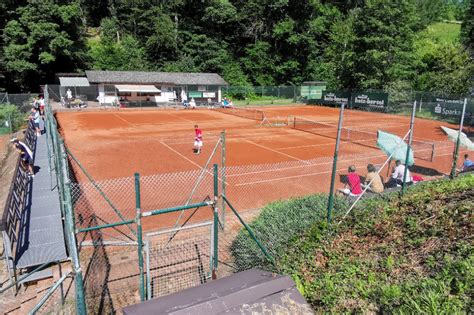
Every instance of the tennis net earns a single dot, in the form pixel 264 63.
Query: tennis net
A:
pixel 422 149
pixel 249 113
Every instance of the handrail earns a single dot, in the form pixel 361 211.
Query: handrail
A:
pixel 26 276
pixel 14 206
pixel 48 294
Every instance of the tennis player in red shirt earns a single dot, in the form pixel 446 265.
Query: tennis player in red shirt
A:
pixel 197 139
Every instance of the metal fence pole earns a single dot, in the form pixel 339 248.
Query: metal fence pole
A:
pixel 223 175
pixel 80 298
pixel 458 141
pixel 216 223
pixel 334 164
pixel 410 138
pixel 139 236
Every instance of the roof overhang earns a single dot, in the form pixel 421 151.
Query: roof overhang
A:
pixel 137 88
pixel 74 81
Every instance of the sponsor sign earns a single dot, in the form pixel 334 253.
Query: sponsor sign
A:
pixel 335 97
pixel 448 107
pixel 209 94
pixel 369 99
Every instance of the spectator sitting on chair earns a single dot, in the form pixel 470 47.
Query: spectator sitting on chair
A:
pixel 353 182
pixel 373 180
pixel 192 103
pixel 467 165
pixel 396 180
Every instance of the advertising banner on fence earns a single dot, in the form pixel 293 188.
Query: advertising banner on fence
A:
pixel 451 110
pixel 335 97
pixel 375 100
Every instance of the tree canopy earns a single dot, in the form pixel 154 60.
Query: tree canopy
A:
pixel 350 44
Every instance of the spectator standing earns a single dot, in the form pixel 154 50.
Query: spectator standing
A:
pixel 41 106
pixel 373 180
pixel 397 175
pixel 352 186
pixel 197 140
pixel 26 157
pixel 69 95
pixel 35 119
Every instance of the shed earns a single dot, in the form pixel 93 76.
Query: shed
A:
pixel 169 85
pixel 248 292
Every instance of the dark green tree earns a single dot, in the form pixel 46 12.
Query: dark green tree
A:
pixel 35 47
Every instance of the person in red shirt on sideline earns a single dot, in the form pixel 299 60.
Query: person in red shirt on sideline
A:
pixel 197 139
pixel 352 187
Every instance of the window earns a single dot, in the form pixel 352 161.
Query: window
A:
pixel 124 93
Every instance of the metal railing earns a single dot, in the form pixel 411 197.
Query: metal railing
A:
pixel 20 188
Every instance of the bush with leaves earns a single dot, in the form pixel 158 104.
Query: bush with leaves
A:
pixel 11 119
pixel 277 225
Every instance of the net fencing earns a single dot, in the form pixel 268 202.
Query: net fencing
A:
pixel 178 258
pixel 422 149
pixel 248 113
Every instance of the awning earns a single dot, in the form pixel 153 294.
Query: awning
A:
pixel 73 81
pixel 138 88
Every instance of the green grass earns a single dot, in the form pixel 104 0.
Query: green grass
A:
pixel 442 32
pixel 409 255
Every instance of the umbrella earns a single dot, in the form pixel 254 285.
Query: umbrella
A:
pixel 453 136
pixel 394 147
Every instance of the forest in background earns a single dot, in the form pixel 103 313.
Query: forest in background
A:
pixel 355 44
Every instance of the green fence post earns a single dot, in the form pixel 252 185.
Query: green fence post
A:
pixel 223 175
pixel 139 236
pixel 80 298
pixel 334 165
pixel 216 224
pixel 410 139
pixel 458 141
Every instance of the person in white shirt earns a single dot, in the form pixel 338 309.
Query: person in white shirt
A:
pixel 35 118
pixel 192 103
pixel 69 94
pixel 397 175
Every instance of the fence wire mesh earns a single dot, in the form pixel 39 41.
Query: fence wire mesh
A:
pixel 109 255
pixel 178 258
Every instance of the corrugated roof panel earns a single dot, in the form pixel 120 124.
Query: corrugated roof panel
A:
pixel 73 81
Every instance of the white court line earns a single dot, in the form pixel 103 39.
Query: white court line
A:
pixel 329 163
pixel 290 177
pixel 299 176
pixel 181 155
pixel 123 119
pixel 264 147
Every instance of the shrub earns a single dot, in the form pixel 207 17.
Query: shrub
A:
pixel 11 119
pixel 276 226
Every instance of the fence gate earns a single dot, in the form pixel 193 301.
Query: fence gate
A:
pixel 178 258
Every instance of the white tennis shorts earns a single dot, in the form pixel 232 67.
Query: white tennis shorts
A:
pixel 198 143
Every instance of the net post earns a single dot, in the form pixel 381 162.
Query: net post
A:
pixel 216 224
pixel 223 175
pixel 334 165
pixel 458 141
pixel 139 235
pixel 410 139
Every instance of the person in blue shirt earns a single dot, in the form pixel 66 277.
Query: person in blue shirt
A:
pixel 468 165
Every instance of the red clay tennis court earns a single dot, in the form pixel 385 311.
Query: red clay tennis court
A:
pixel 265 161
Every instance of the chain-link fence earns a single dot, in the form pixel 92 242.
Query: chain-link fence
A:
pixel 147 236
